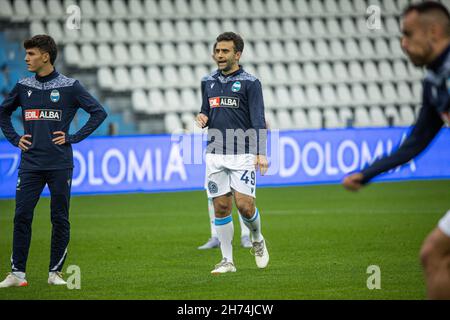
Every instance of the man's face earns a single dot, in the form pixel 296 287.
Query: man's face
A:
pixel 35 59
pixel 225 56
pixel 415 41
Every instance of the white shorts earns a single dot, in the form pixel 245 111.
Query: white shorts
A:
pixel 444 224
pixel 226 172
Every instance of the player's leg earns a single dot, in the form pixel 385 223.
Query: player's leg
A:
pixel 28 190
pixel 245 233
pixel 218 188
pixel 59 183
pixel 243 182
pixel 435 258
pixel 212 242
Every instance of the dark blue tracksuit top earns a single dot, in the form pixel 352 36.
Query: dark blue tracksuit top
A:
pixel 49 104
pixel 234 101
pixel 434 111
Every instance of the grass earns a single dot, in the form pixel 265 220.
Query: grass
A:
pixel 321 240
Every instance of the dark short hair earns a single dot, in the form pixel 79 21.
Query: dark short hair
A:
pixel 231 36
pixel 427 7
pixel 44 43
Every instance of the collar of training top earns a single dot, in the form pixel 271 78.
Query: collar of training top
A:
pixel 437 63
pixel 240 70
pixel 48 77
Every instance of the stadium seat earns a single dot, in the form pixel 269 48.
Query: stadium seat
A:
pixel 212 7
pixel 139 101
pixel 286 6
pixel 283 97
pixel 340 71
pixel 172 122
pixel 392 116
pixel 104 51
pixel 188 121
pixel 407 114
pixel 119 8
pixel 310 71
pixel 385 70
pixel 213 28
pixel 167 29
pixel 315 119
pixel 55 9
pixel 136 30
pixel 343 94
pixel 6 9
pixel 362 118
pixel 54 29
pixel 156 101
pixel 318 27
pixel 295 72
pixel 137 54
pixel 170 75
pixel 381 47
pixel 346 117
pixel 265 73
pixel 337 48
pixel 38 8
pixel 259 28
pixel 400 70
pixel 21 9
pixel 37 27
pixel 346 7
pixel 190 101
pixel 72 55
pixel 300 119
pixel 274 27
pixel 104 31
pixel 271 120
pixel 120 53
pixel 187 76
pixel 168 52
pixel 351 48
pixel 303 27
pixel 276 50
pixel 257 7
pixel 284 120
pixel 331 119
pixel 367 48
pixel 103 8
pixel 88 8
pixel 154 76
pixel 88 55
pixel 120 31
pixel 322 49
pixel 358 93
pixel 138 77
pixel 333 27
pixel 201 71
pixel 392 26
pixel 184 52
pixel 291 50
pixel 298 96
pixel 135 8
pixel 272 7
pixel 377 117
pixel 105 78
pixel 348 26
pixel 374 93
pixel 197 7
pixel 288 27
pixel 269 98
pixel 173 100
pixel 356 71
pixel 395 47
pixel 280 72
pixel 88 30
pixel 199 30
pixel 307 49
pixel 153 53
pixel 328 95
pixel 262 50
pixel 405 94
pixel 313 97
pixel 370 70
pixel 122 78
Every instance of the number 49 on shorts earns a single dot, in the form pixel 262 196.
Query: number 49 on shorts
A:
pixel 246 179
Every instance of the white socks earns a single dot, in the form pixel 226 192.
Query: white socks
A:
pixel 18 274
pixel 212 218
pixel 254 224
pixel 225 232
pixel 244 230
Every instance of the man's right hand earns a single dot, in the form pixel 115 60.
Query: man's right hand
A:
pixel 201 120
pixel 23 142
pixel 353 182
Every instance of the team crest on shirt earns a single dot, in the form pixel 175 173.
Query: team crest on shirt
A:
pixel 212 187
pixel 236 86
pixel 54 95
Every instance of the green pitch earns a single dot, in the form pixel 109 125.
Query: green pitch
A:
pixel 321 241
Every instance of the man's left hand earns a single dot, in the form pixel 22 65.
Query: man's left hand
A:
pixel 61 139
pixel 262 163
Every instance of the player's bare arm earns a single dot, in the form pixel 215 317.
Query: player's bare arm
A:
pixel 353 182
pixel 23 142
